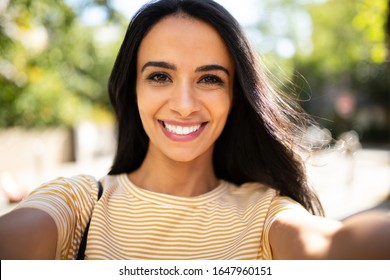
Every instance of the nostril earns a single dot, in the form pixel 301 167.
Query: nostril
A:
pixel 184 104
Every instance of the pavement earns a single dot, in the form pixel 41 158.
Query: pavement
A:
pixel 345 183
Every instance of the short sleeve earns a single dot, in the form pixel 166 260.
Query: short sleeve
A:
pixel 69 201
pixel 279 205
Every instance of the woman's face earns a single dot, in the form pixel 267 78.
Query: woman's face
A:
pixel 184 87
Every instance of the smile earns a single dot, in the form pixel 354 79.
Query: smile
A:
pixel 181 130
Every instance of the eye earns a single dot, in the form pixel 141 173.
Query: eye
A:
pixel 159 78
pixel 211 80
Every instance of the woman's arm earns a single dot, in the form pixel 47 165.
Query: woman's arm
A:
pixel 363 236
pixel 300 235
pixel 27 233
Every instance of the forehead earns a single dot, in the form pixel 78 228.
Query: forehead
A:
pixel 181 37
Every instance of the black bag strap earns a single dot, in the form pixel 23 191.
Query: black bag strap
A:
pixel 83 243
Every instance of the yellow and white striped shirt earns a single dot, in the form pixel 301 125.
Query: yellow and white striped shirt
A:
pixel 129 222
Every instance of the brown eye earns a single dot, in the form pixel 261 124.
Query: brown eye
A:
pixel 159 78
pixel 211 80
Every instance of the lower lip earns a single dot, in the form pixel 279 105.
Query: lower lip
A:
pixel 182 138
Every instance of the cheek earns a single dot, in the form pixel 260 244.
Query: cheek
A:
pixel 149 106
pixel 144 100
pixel 219 109
pixel 222 107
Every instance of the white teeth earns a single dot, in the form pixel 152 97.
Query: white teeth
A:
pixel 181 130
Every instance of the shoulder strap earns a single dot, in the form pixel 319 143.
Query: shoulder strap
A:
pixel 83 243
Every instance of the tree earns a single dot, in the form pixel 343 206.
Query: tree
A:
pixel 348 59
pixel 52 70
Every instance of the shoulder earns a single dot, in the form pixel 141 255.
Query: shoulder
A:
pixel 246 194
pixel 76 184
pixel 264 193
pixel 63 192
pixel 79 181
pixel 297 234
pixel 267 208
pixel 270 207
pixel 262 199
pixel 58 210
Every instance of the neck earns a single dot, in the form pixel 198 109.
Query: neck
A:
pixel 184 179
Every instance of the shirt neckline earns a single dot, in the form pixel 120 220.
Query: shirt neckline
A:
pixel 166 199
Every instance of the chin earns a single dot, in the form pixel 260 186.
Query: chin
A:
pixel 182 158
pixel 187 156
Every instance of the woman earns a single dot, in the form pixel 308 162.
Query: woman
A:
pixel 206 166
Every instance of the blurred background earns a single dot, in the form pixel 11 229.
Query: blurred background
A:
pixel 333 56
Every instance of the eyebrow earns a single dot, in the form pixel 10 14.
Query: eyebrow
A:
pixel 160 64
pixel 212 67
pixel 166 65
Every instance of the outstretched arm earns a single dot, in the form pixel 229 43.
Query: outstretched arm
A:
pixel 27 233
pixel 300 235
pixel 363 236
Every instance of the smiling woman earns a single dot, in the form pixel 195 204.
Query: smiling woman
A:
pixel 184 91
pixel 207 164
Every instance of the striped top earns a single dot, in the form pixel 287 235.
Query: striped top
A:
pixel 129 222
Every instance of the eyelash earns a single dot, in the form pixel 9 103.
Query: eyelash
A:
pixel 159 78
pixel 208 79
pixel 212 80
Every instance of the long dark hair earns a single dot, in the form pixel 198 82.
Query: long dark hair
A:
pixel 257 143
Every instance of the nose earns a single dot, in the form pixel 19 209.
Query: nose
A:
pixel 183 100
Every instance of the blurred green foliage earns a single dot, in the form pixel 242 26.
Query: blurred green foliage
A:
pixel 53 68
pixel 348 37
pixel 338 67
pixel 349 59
